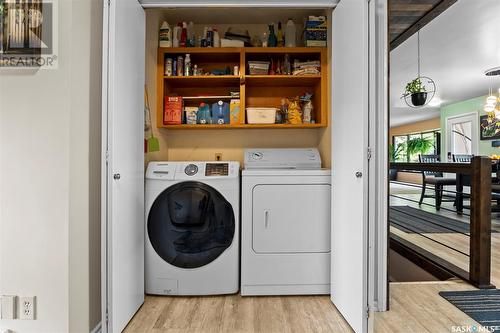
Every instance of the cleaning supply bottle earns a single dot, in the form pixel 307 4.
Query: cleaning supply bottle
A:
pixel 284 111
pixel 165 36
pixel 271 40
pixel 210 37
pixel 216 38
pixel 176 35
pixel 203 116
pixel 190 35
pixel 281 40
pixel 290 34
pixel 220 113
pixel 183 40
pixel 187 65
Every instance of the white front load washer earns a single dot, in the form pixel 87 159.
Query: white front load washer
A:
pixel 192 228
pixel 285 221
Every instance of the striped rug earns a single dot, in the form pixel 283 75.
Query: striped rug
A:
pixel 481 305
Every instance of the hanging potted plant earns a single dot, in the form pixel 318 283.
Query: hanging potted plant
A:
pixel 421 90
pixel 417 91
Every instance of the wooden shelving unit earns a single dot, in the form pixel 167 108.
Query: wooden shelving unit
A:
pixel 254 90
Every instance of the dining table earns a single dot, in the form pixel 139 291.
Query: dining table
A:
pixel 465 180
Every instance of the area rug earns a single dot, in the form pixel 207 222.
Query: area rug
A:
pixel 481 305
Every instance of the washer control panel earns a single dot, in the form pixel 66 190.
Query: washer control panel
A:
pixel 191 169
pixel 217 169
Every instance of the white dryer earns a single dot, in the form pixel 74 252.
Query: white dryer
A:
pixel 285 240
pixel 192 228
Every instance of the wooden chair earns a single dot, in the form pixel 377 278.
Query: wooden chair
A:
pixel 435 179
pixel 460 158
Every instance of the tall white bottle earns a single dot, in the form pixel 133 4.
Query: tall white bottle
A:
pixel 216 38
pixel 290 34
pixel 177 36
pixel 165 36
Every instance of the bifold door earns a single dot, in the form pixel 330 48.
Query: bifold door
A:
pixel 349 266
pixel 123 162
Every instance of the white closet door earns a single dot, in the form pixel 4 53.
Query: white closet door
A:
pixel 349 250
pixel 123 174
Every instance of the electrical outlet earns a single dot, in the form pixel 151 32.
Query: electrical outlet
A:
pixel 218 156
pixel 27 308
pixel 8 306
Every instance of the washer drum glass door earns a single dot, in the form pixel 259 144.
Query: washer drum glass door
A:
pixel 190 224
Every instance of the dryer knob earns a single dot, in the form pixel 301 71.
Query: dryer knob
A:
pixel 191 169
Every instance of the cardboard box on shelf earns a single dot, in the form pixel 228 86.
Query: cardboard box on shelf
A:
pixel 172 112
pixel 316 31
pixel 234 110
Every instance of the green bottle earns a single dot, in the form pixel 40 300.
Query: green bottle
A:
pixel 271 40
pixel 281 40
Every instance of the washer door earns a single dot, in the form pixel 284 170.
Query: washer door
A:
pixel 190 224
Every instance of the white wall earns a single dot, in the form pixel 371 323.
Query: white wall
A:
pixel 47 211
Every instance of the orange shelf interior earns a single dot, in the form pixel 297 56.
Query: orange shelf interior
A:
pixel 254 90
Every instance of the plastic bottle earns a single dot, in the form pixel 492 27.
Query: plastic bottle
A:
pixel 287 65
pixel 187 65
pixel 190 35
pixel 271 40
pixel 210 37
pixel 281 40
pixel 165 36
pixel 180 66
pixel 290 34
pixel 182 42
pixel 216 38
pixel 284 111
pixel 176 35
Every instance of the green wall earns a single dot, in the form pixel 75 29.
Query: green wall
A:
pixel 467 106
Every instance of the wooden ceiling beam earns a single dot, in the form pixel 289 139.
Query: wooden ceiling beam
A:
pixel 423 21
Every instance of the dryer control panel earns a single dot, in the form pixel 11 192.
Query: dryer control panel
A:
pixel 284 158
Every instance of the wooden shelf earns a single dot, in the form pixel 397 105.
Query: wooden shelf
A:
pixel 203 81
pixel 208 50
pixel 242 126
pixel 202 78
pixel 282 80
pixel 254 90
pixel 284 50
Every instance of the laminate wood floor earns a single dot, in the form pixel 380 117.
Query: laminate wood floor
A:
pixel 234 313
pixel 415 307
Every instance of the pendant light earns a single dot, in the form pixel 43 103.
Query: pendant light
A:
pixel 492 102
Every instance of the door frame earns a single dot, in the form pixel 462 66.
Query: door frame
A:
pixel 377 197
pixel 378 167
pixel 235 3
pixel 105 200
pixel 474 118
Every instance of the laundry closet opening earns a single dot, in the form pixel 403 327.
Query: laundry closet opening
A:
pixel 209 142
pixel 238 192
